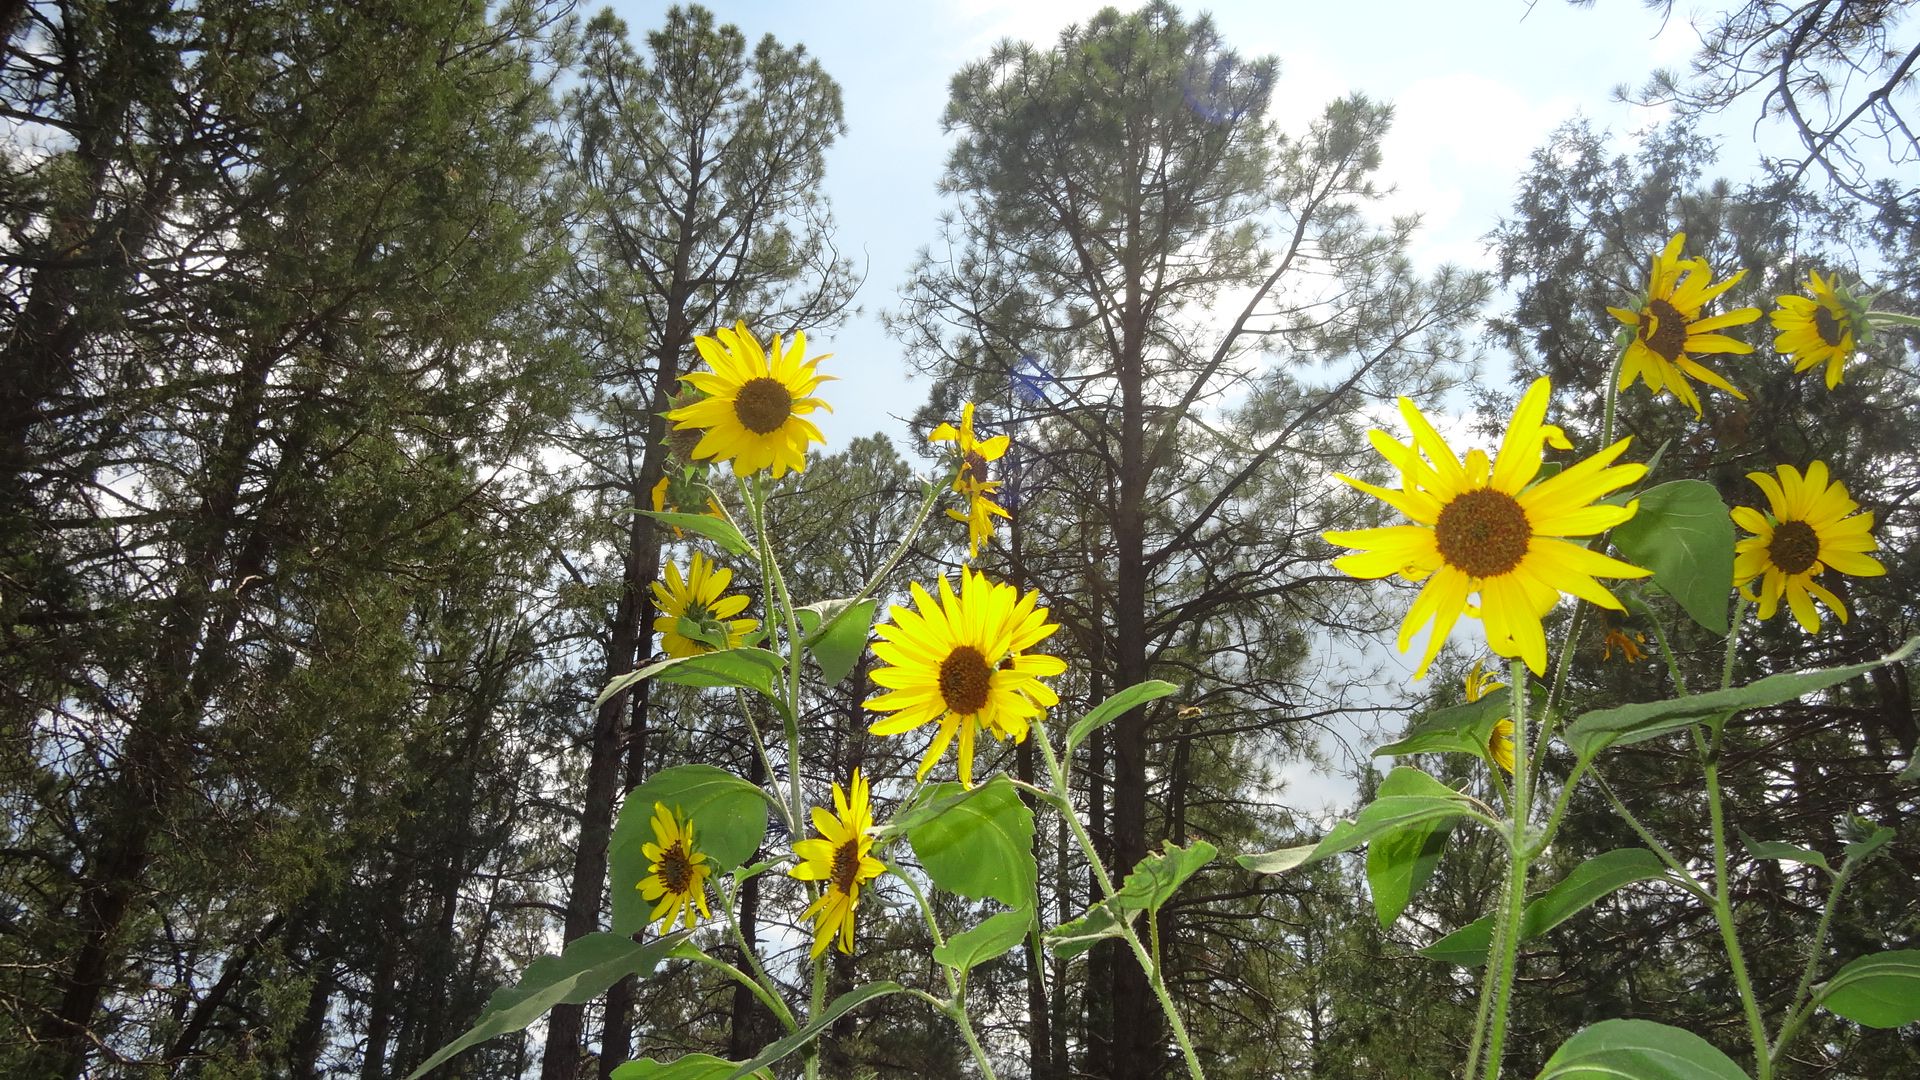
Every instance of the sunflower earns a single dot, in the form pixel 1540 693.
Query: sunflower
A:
pixel 1489 527
pixel 684 493
pixel 1629 642
pixel 971 479
pixel 1500 742
pixel 962 660
pixel 1817 329
pixel 1806 530
pixel 676 873
pixel 754 414
pixel 1668 326
pixel 840 859
pixel 697 598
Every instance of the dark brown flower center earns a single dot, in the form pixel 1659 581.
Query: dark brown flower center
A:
pixel 675 869
pixel 1795 546
pixel 762 405
pixel 1827 326
pixel 1483 532
pixel 964 679
pixel 976 468
pixel 846 866
pixel 1664 329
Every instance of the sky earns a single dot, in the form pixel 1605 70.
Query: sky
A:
pixel 1475 86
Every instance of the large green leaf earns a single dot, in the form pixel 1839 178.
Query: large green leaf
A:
pixel 985 942
pixel 1784 852
pixel 1595 731
pixel 718 530
pixel 837 645
pixel 684 1067
pixel 1881 990
pixel 1155 878
pixel 729 819
pixel 1428 800
pixel 1684 534
pixel 1400 862
pixel 1072 938
pixel 1115 707
pixel 584 969
pixel 1457 729
pixel 748 668
pixel 980 846
pixel 1638 1050
pixel 811 1030
pixel 1599 876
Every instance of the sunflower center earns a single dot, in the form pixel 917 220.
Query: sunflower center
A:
pixel 975 468
pixel 1483 532
pixel 1827 326
pixel 1664 329
pixel 762 405
pixel 1795 546
pixel 675 869
pixel 846 867
pixel 964 679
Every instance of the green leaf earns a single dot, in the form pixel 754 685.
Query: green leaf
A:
pixel 1427 800
pixel 1153 881
pixel 985 942
pixel 1775 849
pixel 1070 939
pixel 715 529
pixel 1595 731
pixel 837 646
pixel 1400 862
pixel 729 819
pixel 1684 534
pixel 585 968
pixel 684 1067
pixel 1638 1050
pixel 752 669
pixel 1115 707
pixel 1859 851
pixel 1598 877
pixel 1880 991
pixel 811 1030
pixel 980 846
pixel 1457 729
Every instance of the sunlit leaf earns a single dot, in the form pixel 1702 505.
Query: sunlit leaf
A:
pixel 985 942
pixel 1638 1050
pixel 837 645
pixel 1588 883
pixel 1683 533
pixel 980 846
pixel 1115 707
pixel 729 819
pixel 1881 990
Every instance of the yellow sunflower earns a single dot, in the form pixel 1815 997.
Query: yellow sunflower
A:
pixel 676 873
pixel 697 598
pixel 1806 530
pixel 754 414
pixel 1492 528
pixel 840 859
pixel 962 660
pixel 1500 742
pixel 971 480
pixel 1816 330
pixel 1668 326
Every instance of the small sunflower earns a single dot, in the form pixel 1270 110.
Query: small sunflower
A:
pixel 1629 642
pixel 1806 530
pixel 698 598
pixel 840 858
pixel 1668 326
pixel 962 660
pixel 1816 330
pixel 1500 742
pixel 754 414
pixel 684 492
pixel 1492 528
pixel 971 479
pixel 676 873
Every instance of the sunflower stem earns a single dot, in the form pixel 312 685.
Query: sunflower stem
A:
pixel 770 1000
pixel 1666 648
pixel 1519 854
pixel 956 1008
pixel 900 549
pixel 1740 606
pixel 1723 918
pixel 1816 948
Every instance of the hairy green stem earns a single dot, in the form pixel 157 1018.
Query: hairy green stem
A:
pixel 770 1000
pixel 1520 854
pixel 1817 948
pixel 1723 917
pixel 956 1008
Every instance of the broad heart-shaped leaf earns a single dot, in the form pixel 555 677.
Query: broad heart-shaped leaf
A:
pixel 684 1067
pixel 1881 990
pixel 1155 878
pixel 1599 876
pixel 1400 862
pixel 585 968
pixel 1428 800
pixel 837 646
pixel 980 846
pixel 718 530
pixel 1115 707
pixel 1458 729
pixel 1775 849
pixel 1638 1050
pixel 1684 534
pixel 985 942
pixel 1593 732
pixel 729 819
pixel 1070 939
pixel 811 1030
pixel 752 669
